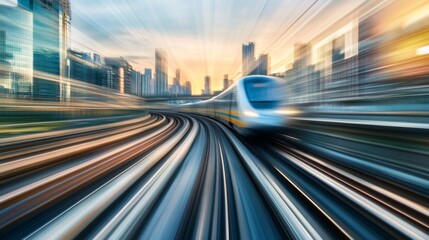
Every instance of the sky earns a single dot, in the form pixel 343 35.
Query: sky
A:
pixel 201 37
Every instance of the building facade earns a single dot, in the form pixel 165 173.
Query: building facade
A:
pixel 263 65
pixel 177 89
pixel 147 86
pixel 136 83
pixel 188 88
pixel 207 85
pixel 161 72
pixel 119 76
pixel 51 39
pixel 302 80
pixel 248 59
pixel 80 67
pixel 16 52
pixel 225 82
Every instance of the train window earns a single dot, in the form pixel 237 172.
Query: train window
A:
pixel 263 93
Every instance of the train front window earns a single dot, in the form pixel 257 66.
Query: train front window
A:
pixel 263 93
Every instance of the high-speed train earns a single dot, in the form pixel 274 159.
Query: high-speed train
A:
pixel 251 103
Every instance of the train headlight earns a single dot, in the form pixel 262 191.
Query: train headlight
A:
pixel 423 50
pixel 251 113
pixel 287 111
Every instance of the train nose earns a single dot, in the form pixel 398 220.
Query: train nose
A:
pixel 270 119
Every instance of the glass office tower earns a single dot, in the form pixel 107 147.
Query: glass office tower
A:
pixel 161 72
pixel 16 52
pixel 51 39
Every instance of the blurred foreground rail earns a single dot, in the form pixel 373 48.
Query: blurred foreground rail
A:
pixel 169 175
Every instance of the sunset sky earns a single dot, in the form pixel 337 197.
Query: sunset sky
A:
pixel 201 37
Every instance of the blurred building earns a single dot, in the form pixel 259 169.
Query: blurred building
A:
pixel 188 88
pixel 119 75
pixel 80 67
pixel 176 89
pixel 335 58
pixel 97 59
pixel 82 74
pixel 136 83
pixel 344 73
pixel 16 52
pixel 302 54
pixel 207 85
pixel 248 58
pixel 225 82
pixel 161 72
pixel 147 86
pixel 263 65
pixel 51 39
pixel 252 66
pixel 391 61
pixel 303 81
pixel 102 70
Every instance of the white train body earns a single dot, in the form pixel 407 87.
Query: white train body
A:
pixel 251 103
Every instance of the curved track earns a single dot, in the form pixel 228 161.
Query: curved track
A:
pixel 169 175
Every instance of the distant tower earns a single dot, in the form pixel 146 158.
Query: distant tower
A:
pixel 207 86
pixel 188 88
pixel 176 82
pixel 178 75
pixel 147 82
pixel 248 58
pixel 136 83
pixel 263 65
pixel 161 72
pixel 225 81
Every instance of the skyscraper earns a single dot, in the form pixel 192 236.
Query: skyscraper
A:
pixel 338 49
pixel 120 74
pixel 147 82
pixel 248 58
pixel 136 83
pixel 188 87
pixel 16 52
pixel 302 54
pixel 81 72
pixel 81 67
pixel 225 82
pixel 51 39
pixel 263 64
pixel 161 72
pixel 207 85
pixel 303 79
pixel 176 83
pixel 178 75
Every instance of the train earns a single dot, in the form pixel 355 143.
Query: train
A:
pixel 251 104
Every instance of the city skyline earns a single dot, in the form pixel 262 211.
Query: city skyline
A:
pixel 343 40
pixel 205 40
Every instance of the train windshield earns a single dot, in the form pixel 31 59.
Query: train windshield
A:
pixel 263 93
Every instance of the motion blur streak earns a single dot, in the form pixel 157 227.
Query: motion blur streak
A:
pixel 171 175
pixel 243 119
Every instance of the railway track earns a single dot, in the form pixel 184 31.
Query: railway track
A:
pixel 171 175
